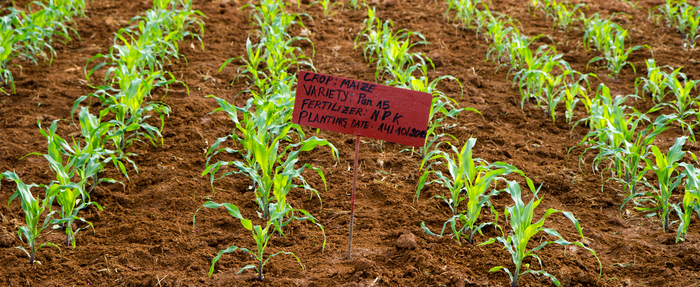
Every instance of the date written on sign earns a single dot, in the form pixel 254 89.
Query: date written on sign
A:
pixel 362 108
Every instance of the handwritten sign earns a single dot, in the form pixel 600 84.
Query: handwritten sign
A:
pixel 362 108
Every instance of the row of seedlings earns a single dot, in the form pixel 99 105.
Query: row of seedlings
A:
pixel 265 139
pixel 614 125
pixel 135 67
pixel 470 179
pixel 682 16
pixel 542 75
pixel 613 131
pixel 28 35
pixel 618 133
pixel 609 38
pixel 77 166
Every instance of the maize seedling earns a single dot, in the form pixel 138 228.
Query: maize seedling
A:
pixel 520 216
pixel 33 210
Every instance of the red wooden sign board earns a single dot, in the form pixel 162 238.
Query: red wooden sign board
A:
pixel 362 108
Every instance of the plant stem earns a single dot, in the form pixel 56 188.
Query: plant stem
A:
pixel 94 183
pixel 515 276
pixel 65 229
pixel 266 211
pixel 627 179
pixel 666 222
pixel 31 257
pixel 260 270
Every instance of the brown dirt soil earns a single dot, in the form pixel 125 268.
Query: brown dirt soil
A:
pixel 144 236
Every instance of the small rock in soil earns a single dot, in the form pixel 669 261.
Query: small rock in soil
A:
pixel 545 40
pixel 438 61
pixel 513 101
pixel 407 241
pixel 478 100
pixel 363 264
pixel 476 81
pixel 616 221
pixel 606 201
pixel 472 91
pixel 507 154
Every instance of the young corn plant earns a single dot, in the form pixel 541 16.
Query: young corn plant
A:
pixel 634 5
pixel 684 102
pixel 520 57
pixel 8 39
pixel 538 81
pixel 483 18
pixel 504 40
pixel 251 67
pixel 564 15
pixel 33 210
pixel 154 37
pixel 520 216
pixel 130 109
pixel 134 58
pixel 603 108
pixel 691 199
pixel 95 136
pixel 280 55
pixel 356 4
pixel 615 55
pixel 266 62
pixel 71 196
pixel 261 236
pixel 392 47
pixel 173 23
pixel 466 12
pixel 654 84
pixel 598 31
pixel 551 88
pixel 627 160
pixel 664 167
pixel 469 180
pixel 441 108
pixel 546 6
pixel 263 158
pixel 572 94
pixel 27 34
pixel 613 131
pixel 327 6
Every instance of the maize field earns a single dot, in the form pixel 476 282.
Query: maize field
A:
pixel 150 143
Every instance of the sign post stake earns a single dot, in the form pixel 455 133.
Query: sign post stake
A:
pixel 352 199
